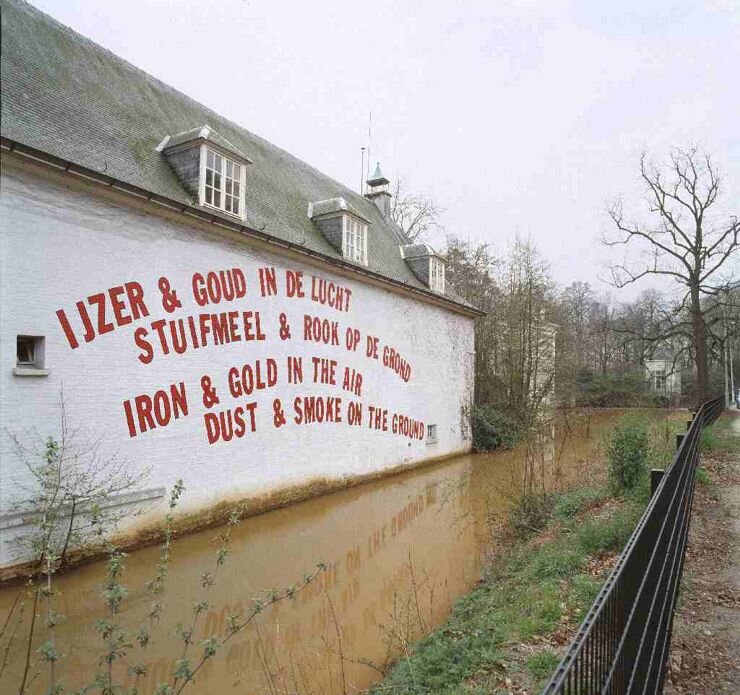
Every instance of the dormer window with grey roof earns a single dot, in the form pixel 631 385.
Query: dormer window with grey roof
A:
pixel 342 226
pixel 426 264
pixel 210 168
pixel 437 274
pixel 354 241
pixel 223 184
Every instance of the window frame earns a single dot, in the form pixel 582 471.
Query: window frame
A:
pixel 226 158
pixel 432 435
pixel 660 379
pixel 361 247
pixel 36 366
pixel 437 281
pixel 31 342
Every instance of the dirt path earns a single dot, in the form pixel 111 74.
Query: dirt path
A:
pixel 705 655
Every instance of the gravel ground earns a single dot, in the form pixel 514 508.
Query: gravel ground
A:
pixel 705 652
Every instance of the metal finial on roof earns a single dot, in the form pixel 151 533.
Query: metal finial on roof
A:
pixel 377 179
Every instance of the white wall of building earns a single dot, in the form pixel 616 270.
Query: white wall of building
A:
pixel 663 376
pixel 62 243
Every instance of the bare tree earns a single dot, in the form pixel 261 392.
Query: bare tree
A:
pixel 415 213
pixel 513 364
pixel 470 271
pixel 577 301
pixel 684 241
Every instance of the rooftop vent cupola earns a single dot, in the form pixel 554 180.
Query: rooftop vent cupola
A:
pixel 378 191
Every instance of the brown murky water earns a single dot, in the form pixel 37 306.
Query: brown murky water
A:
pixel 399 552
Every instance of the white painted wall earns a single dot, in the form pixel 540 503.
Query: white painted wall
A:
pixel 62 243
pixel 672 375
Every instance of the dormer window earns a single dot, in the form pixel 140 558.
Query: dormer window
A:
pixel 211 169
pixel 223 181
pixel 426 264
pixel 343 226
pixel 354 240
pixel 436 274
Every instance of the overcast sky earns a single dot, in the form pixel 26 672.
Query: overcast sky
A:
pixel 516 116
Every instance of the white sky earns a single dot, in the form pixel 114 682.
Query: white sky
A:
pixel 515 116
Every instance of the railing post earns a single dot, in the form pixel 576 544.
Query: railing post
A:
pixel 679 439
pixel 656 475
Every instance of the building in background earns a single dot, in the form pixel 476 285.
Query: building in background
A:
pixel 664 375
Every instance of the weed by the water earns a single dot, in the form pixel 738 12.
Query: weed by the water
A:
pixel 609 534
pixel 628 450
pixel 493 429
pixel 530 514
pixel 441 662
pixel 556 560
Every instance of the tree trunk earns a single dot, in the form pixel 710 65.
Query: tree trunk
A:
pixel 700 347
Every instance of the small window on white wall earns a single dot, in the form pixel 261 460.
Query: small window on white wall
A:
pixel 25 352
pixel 30 356
pixel 431 434
pixel 436 274
pixel 224 184
pixel 354 240
pixel 660 379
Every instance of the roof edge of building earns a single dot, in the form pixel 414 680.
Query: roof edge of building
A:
pixel 213 218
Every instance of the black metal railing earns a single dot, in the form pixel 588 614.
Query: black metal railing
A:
pixel 622 646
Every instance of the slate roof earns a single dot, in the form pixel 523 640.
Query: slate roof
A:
pixel 327 207
pixel 204 133
pixel 70 98
pixel 418 251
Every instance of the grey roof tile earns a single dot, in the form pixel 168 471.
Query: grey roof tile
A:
pixel 203 133
pixel 332 205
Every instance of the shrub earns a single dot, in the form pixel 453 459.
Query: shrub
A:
pixel 598 536
pixel 530 514
pixel 628 451
pixel 493 430
pixel 613 389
